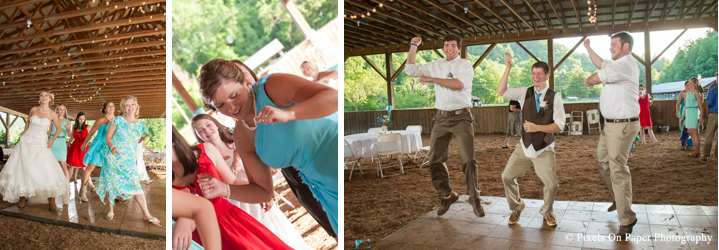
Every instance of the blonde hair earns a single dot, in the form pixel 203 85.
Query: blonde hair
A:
pixel 52 97
pixel 697 85
pixel 311 64
pixel 58 106
pixel 122 105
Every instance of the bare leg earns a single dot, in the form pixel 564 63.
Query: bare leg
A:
pixel 140 198
pixel 694 133
pixel 641 135
pixel 111 213
pixel 506 142
pixel 65 171
pixel 651 133
pixel 87 173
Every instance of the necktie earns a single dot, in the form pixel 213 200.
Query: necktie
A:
pixel 536 99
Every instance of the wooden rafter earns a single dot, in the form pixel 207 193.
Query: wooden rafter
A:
pixel 519 17
pixel 500 18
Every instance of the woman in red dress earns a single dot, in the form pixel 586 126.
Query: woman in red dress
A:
pixel 238 229
pixel 645 117
pixel 74 154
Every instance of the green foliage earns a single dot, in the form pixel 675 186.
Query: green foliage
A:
pixel 156 132
pixel 200 28
pixel 694 58
pixel 697 57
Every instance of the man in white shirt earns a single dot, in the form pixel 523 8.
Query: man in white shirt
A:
pixel 543 113
pixel 452 78
pixel 620 108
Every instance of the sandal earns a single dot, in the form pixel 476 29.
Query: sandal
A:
pixel 154 221
pixel 504 146
pixel 148 182
pixel 110 216
pixel 658 143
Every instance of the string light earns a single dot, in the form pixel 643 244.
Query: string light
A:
pixel 592 15
pixel 465 9
pixel 368 12
pixel 29 22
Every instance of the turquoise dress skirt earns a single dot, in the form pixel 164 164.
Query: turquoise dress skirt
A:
pixel 59 146
pixel 94 154
pixel 308 145
pixel 691 111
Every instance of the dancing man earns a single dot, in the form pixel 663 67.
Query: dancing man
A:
pixel 452 78
pixel 543 113
pixel 618 103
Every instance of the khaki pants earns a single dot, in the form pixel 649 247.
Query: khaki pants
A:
pixel 612 154
pixel 545 166
pixel 461 127
pixel 709 136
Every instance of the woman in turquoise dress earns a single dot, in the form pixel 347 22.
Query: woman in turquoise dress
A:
pixel 59 146
pixel 284 120
pixel 119 174
pixel 94 156
pixel 693 103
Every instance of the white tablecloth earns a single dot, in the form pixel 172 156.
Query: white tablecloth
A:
pixel 365 144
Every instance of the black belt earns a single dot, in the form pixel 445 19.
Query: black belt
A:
pixel 621 120
pixel 453 112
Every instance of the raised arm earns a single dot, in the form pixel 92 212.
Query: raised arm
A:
pixel 502 88
pixel 311 100
pixel 413 45
pixel 596 59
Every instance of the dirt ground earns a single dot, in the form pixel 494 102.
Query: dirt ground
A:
pixel 26 234
pixel 661 174
pixel 314 235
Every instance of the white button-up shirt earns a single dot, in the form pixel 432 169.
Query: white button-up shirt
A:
pixel 446 98
pixel 520 94
pixel 621 88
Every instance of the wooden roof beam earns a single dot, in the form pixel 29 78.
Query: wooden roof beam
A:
pixel 437 5
pixel 367 39
pixel 161 52
pixel 97 49
pixel 528 52
pixel 569 53
pixel 376 69
pixel 648 14
pixel 535 13
pixel 97 74
pixel 54 84
pixel 631 11
pixel 561 20
pixel 95 26
pixel 484 55
pixel 713 6
pixel 511 9
pixel 576 14
pixel 79 42
pixel 378 32
pixel 101 66
pixel 79 79
pixel 670 44
pixel 474 12
pixel 496 15
pixel 15 4
pixel 429 33
pixel 422 10
pixel 691 8
pixel 666 15
pixel 403 12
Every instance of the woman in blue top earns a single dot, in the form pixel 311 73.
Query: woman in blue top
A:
pixel 284 120
pixel 59 146
pixel 94 156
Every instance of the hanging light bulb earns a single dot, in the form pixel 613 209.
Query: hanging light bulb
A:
pixel 73 75
pixel 374 10
pixel 358 22
pixel 465 9
pixel 29 22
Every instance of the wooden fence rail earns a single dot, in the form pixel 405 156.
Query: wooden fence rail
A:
pixel 489 119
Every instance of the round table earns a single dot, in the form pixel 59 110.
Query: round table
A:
pixel 365 144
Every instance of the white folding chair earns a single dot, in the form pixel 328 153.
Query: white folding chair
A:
pixel 425 152
pixel 374 130
pixel 351 159
pixel 417 128
pixel 388 145
pixel 567 124
pixel 279 179
pixel 593 120
pixel 577 118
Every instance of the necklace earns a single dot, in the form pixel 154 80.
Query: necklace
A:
pixel 254 104
pixel 48 110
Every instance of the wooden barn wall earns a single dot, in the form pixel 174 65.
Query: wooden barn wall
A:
pixel 489 119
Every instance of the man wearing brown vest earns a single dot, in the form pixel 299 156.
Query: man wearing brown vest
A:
pixel 543 113
pixel 619 106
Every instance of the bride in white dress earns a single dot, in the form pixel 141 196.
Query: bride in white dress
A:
pixel 32 171
pixel 208 130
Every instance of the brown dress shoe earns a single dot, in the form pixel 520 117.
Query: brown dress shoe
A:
pixel 612 207
pixel 624 231
pixel 446 202
pixel 51 203
pixel 514 217
pixel 550 220
pixel 21 202
pixel 477 207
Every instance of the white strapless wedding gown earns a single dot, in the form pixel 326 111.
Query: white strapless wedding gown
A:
pixel 32 170
pixel 274 220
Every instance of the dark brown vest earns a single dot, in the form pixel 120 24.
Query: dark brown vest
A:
pixel 545 116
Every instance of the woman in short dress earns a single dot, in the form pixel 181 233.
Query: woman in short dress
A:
pixel 693 104
pixel 75 153
pixel 59 147
pixel 94 156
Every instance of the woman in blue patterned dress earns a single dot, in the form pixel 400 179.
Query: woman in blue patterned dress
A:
pixel 94 156
pixel 59 146
pixel 283 121
pixel 119 174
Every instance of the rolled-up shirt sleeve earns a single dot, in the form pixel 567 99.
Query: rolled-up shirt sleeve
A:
pixel 612 72
pixel 465 73
pixel 559 115
pixel 416 70
pixel 516 94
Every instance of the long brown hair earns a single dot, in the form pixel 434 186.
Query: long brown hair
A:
pixel 225 134
pixel 185 153
pixel 215 73
pixel 80 127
